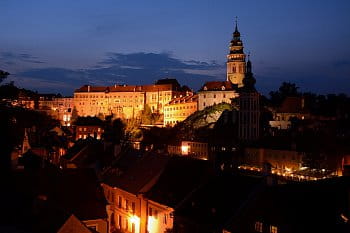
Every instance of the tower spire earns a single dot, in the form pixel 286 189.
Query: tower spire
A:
pixel 236 23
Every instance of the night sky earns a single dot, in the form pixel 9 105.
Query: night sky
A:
pixel 59 45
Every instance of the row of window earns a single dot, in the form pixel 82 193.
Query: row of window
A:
pixel 171 122
pixel 84 129
pixel 108 96
pixel 259 228
pixel 179 114
pixel 85 136
pixel 198 145
pixel 179 108
pixel 214 96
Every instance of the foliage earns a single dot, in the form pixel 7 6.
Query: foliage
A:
pixel 3 75
pixel 133 131
pixel 148 117
pixel 285 90
pixel 13 121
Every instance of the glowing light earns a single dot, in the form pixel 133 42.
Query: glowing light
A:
pixel 136 221
pixel 184 150
pixel 152 226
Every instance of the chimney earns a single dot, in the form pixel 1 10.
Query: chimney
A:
pixel 88 88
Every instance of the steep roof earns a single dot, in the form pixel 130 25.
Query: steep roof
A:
pixel 73 224
pixel 134 171
pixel 218 86
pixel 180 178
pixel 184 99
pixel 42 200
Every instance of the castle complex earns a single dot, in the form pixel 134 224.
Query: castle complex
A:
pixel 167 98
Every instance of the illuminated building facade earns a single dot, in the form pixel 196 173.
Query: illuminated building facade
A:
pixel 178 109
pixel 129 210
pixel 236 65
pixel 280 160
pixel 197 150
pixel 216 92
pixel 85 131
pixel 59 108
pixel 124 101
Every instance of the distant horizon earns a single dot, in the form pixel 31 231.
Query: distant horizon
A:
pixel 56 47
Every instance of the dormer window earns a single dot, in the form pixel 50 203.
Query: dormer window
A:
pixel 205 88
pixel 223 88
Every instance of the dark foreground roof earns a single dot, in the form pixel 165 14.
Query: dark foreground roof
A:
pixel 210 207
pixel 134 170
pixel 296 208
pixel 180 178
pixel 42 200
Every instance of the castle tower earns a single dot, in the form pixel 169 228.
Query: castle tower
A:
pixel 236 65
pixel 249 108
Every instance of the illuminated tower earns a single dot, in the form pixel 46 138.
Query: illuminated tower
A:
pixel 236 65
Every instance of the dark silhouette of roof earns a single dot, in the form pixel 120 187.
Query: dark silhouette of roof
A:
pixel 181 176
pixel 73 224
pixel 42 200
pixel 134 170
pixel 210 207
pixel 300 207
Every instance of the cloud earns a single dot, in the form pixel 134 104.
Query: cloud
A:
pixel 11 58
pixel 155 60
pixel 133 68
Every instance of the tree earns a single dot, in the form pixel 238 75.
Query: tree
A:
pixel 3 75
pixel 114 130
pixel 285 90
pixel 148 117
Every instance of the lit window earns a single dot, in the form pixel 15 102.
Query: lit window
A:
pixel 258 226
pixel 273 229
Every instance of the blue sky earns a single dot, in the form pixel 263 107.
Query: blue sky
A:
pixel 57 46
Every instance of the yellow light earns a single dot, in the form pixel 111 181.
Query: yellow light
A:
pixel 136 221
pixel 184 150
pixel 152 226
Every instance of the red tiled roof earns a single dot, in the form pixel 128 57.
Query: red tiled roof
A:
pixel 184 99
pixel 217 86
pixel 127 88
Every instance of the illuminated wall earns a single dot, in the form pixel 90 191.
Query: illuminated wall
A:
pixel 284 160
pixel 179 109
pixel 210 98
pixel 128 212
